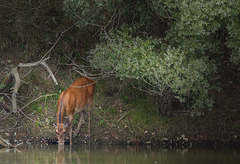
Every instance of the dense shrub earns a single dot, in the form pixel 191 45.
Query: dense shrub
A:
pixel 164 69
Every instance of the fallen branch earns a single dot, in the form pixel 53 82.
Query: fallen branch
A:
pixel 6 143
pixel 14 74
pixel 42 62
pixel 122 117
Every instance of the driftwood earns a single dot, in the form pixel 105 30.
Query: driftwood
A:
pixel 6 143
pixel 14 74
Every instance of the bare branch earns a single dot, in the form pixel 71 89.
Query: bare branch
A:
pixel 14 72
pixel 50 72
pixel 60 36
pixel 42 62
pixel 6 143
pixel 33 64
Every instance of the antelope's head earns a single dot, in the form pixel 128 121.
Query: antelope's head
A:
pixel 60 131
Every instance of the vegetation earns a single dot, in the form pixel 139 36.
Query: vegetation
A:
pixel 164 57
pixel 163 69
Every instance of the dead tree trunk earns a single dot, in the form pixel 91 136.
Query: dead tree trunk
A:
pixel 14 74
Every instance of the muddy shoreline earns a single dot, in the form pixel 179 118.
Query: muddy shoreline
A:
pixel 175 142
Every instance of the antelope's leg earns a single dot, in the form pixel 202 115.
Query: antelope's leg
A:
pixel 70 128
pixel 80 122
pixel 90 101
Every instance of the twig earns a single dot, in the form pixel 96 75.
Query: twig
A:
pixel 5 116
pixel 28 117
pixel 36 100
pixel 32 102
pixel 120 88
pixel 18 144
pixel 122 117
pixel 58 40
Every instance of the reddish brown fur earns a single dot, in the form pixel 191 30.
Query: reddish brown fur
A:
pixel 73 101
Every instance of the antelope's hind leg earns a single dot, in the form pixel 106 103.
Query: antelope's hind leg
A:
pixel 90 101
pixel 79 123
pixel 70 128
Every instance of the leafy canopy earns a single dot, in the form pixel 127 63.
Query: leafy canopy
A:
pixel 163 69
pixel 167 45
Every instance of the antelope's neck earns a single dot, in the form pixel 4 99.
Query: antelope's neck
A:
pixel 60 116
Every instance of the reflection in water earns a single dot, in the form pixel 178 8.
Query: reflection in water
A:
pixel 60 157
pixel 85 154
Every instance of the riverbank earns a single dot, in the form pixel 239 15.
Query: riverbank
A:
pixel 121 114
pixel 103 133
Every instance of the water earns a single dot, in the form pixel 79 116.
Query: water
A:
pixel 82 154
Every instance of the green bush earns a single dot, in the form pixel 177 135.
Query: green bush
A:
pixel 204 27
pixel 162 69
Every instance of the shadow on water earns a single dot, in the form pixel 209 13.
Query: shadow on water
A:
pixel 90 154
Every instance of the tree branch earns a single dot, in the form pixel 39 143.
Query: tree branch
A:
pixel 15 74
pixel 42 62
pixel 6 143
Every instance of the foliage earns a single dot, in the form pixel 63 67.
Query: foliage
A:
pixel 2 85
pixel 170 47
pixel 108 14
pixel 28 25
pixel 203 27
pixel 87 12
pixel 144 117
pixel 163 69
pixel 177 64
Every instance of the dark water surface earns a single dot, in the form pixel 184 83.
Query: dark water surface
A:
pixel 85 154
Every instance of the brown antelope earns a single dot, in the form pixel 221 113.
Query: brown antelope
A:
pixel 72 101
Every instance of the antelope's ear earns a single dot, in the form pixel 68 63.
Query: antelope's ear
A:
pixel 65 126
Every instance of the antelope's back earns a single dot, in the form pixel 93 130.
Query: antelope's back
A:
pixel 82 90
pixel 86 83
pixel 77 95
